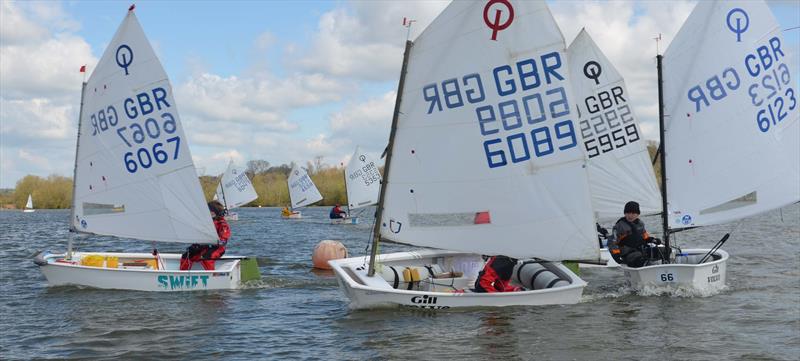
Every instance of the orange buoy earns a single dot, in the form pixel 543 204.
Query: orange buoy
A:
pixel 327 250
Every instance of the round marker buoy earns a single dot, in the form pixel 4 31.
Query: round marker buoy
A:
pixel 327 250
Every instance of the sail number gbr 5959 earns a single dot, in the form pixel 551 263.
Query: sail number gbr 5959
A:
pixel 150 134
pixel 524 123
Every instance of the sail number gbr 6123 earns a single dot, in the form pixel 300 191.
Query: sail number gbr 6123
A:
pixel 531 118
pixel 150 133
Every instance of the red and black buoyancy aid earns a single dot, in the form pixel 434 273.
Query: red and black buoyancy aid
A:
pixel 496 275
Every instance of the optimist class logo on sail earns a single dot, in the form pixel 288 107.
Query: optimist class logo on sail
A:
pixel 148 132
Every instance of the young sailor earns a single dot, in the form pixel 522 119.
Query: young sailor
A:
pixel 337 212
pixel 496 275
pixel 204 253
pixel 630 239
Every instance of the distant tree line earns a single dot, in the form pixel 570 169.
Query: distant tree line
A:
pixel 55 192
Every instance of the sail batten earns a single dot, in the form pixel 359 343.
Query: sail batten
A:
pixel 132 155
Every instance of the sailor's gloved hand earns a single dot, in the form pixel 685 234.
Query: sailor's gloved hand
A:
pixel 602 230
pixel 657 241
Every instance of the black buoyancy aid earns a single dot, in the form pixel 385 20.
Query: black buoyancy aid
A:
pixel 635 238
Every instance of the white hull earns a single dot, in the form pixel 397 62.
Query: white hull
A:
pixel 59 273
pixel 28 210
pixel 704 278
pixel 604 256
pixel 440 293
pixel 294 215
pixel 346 220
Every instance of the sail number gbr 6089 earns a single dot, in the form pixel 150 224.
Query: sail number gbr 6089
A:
pixel 150 133
pixel 524 123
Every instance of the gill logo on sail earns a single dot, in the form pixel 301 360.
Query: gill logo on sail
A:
pixel 124 57
pixel 496 25
pixel 740 28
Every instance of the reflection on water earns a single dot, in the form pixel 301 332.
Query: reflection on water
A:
pixel 297 312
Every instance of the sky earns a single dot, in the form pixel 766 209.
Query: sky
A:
pixel 275 80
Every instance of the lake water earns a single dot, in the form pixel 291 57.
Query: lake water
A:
pixel 294 313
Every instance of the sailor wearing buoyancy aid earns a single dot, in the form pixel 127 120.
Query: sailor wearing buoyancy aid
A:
pixel 496 275
pixel 629 237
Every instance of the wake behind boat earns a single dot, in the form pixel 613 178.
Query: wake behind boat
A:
pixel 134 177
pixel 483 159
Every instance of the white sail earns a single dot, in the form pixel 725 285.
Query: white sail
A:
pixel 29 204
pixel 134 174
pixel 731 106
pixel 487 156
pixel 363 180
pixel 235 188
pixel 302 190
pixel 620 169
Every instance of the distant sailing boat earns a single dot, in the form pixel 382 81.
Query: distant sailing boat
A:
pixel 29 205
pixel 234 189
pixel 362 181
pixel 620 169
pixel 483 159
pixel 730 133
pixel 134 178
pixel 302 191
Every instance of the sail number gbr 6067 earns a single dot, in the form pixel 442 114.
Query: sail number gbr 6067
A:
pixel 150 133
pixel 524 123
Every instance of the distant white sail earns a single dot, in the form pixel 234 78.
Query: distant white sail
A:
pixel 302 190
pixel 620 169
pixel 235 188
pixel 29 204
pixel 732 133
pixel 487 156
pixel 363 181
pixel 134 173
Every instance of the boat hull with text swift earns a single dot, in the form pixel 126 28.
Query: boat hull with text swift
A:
pixel 452 288
pixel 139 272
pixel 684 273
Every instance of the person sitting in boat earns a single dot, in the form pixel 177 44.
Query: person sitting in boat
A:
pixel 204 253
pixel 286 212
pixel 337 212
pixel 630 238
pixel 496 276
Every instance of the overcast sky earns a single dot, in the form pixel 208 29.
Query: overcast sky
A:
pixel 279 81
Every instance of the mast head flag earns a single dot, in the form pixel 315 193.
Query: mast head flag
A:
pixel 486 155
pixel 732 128
pixel 619 163
pixel 134 174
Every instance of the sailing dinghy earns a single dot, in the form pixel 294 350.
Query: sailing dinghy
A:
pixel 620 169
pixel 234 190
pixel 28 205
pixel 302 192
pixel 730 137
pixel 134 178
pixel 362 180
pixel 483 159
